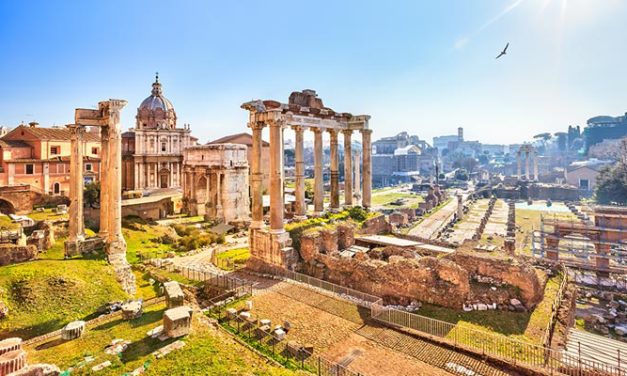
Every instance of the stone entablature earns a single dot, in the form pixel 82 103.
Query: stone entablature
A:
pixel 216 182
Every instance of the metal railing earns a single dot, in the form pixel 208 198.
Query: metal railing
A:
pixel 290 354
pixel 477 341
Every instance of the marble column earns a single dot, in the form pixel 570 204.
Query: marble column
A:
pixel 318 177
pixel 277 207
pixel 256 176
pixel 366 168
pixel 116 240
pixel 301 208
pixel 335 183
pixel 535 166
pixel 527 165
pixel 348 168
pixel 357 178
pixel 104 184
pixel 76 224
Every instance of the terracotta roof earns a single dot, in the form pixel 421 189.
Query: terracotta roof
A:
pixel 53 159
pixel 13 144
pixel 248 140
pixel 54 134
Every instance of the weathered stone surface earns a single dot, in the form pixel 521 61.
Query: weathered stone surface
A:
pixel 73 330
pixel 38 370
pixel 174 295
pixel 329 240
pixel 177 321
pixel 375 225
pixel 518 273
pixel 11 253
pixel 132 310
pixel 12 361
pixel 345 235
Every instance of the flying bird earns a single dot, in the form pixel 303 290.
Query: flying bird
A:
pixel 504 52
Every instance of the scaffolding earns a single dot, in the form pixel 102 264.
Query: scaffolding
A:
pixel 599 245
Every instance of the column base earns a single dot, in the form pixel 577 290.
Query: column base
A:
pixel 73 247
pixel 256 224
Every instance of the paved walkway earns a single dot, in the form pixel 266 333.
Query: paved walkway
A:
pixel 430 226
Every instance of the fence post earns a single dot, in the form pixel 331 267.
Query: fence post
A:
pixel 318 365
pixel 579 352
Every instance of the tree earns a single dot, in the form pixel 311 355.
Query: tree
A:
pixel 91 194
pixel 612 185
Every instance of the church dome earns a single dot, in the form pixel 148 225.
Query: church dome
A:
pixel 156 99
pixel 156 111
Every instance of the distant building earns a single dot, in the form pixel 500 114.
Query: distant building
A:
pixel 603 128
pixel 583 174
pixel 401 159
pixel 247 139
pixel 152 152
pixel 40 157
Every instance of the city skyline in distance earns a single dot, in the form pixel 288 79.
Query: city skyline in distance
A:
pixel 417 67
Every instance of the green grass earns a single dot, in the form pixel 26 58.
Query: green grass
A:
pixel 528 327
pixel 145 239
pixel 48 215
pixel 44 295
pixel 227 259
pixel 7 223
pixel 207 352
pixel 385 199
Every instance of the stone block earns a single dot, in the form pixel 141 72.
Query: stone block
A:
pixel 174 295
pixel 12 361
pixel 73 330
pixel 177 321
pixel 132 310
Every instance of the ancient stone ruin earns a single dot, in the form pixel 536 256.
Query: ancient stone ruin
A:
pixel 107 118
pixel 13 361
pixel 215 183
pixel 304 111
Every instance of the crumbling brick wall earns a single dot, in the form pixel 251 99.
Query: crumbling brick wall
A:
pixel 11 253
pixel 513 271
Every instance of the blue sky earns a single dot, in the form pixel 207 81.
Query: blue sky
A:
pixel 422 66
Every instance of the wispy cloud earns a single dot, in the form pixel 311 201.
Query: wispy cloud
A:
pixel 461 42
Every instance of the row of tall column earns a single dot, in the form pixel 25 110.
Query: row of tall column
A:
pixel 528 156
pixel 276 172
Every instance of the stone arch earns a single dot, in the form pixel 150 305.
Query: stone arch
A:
pixel 202 193
pixel 6 207
pixel 56 188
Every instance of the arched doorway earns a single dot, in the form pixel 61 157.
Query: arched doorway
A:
pixel 56 188
pixel 6 207
pixel 164 179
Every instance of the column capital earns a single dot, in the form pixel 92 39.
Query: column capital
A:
pixel 257 125
pixel 347 132
pixel 365 131
pixel 276 123
pixel 76 130
pixel 316 130
pixel 298 128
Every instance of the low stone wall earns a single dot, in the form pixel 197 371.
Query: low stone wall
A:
pixel 375 225
pixel 11 253
pixel 399 280
pixel 516 273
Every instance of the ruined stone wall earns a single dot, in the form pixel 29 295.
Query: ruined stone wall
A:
pixel 399 280
pixel 517 273
pixel 11 253
pixel 375 225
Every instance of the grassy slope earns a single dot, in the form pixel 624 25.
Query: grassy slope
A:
pixel 45 294
pixel 207 352
pixel 47 215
